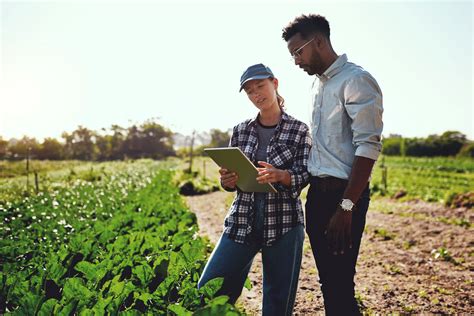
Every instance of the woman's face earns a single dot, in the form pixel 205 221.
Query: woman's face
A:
pixel 262 92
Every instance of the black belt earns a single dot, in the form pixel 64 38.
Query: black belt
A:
pixel 328 183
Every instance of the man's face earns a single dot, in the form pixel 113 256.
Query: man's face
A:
pixel 306 53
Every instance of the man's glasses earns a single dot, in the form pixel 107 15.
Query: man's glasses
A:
pixel 297 52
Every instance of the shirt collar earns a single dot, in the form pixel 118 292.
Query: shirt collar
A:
pixel 334 69
pixel 284 117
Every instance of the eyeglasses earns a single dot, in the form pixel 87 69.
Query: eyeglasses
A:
pixel 297 52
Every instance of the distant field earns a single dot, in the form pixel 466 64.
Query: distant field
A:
pixel 428 179
pixel 54 174
pixel 11 169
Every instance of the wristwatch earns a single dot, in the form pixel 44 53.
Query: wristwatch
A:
pixel 347 205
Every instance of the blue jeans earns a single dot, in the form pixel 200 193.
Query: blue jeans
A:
pixel 281 266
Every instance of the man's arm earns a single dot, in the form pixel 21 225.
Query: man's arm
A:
pixel 363 103
pixel 360 173
pixel 340 225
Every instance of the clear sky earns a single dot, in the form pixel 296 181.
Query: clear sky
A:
pixel 98 63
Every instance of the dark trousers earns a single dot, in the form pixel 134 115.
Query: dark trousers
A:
pixel 336 272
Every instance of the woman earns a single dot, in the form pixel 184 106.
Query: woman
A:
pixel 268 222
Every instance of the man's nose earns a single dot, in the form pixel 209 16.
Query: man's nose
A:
pixel 297 61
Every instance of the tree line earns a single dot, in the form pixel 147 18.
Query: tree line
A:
pixel 450 143
pixel 152 140
pixel 147 140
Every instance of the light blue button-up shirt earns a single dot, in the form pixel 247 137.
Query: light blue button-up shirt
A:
pixel 346 119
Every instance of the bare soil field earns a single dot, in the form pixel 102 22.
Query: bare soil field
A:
pixel 415 257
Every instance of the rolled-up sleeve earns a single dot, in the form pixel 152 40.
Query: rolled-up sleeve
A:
pixel 364 106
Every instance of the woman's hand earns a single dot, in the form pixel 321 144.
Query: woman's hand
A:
pixel 270 174
pixel 228 179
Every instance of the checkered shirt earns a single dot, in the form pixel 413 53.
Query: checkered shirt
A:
pixel 288 150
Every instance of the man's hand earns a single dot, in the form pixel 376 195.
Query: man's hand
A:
pixel 270 174
pixel 339 231
pixel 228 179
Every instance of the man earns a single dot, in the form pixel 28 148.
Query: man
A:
pixel 346 129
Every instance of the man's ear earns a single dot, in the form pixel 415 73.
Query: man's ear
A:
pixel 319 40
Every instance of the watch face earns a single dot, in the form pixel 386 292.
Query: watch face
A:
pixel 347 204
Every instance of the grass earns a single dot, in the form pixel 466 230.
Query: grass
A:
pixel 393 269
pixel 408 244
pixel 384 234
pixel 423 294
pixel 442 254
pixel 12 169
pixel 429 179
pixel 307 248
pixel 408 308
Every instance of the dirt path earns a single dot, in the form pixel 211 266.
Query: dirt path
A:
pixel 415 257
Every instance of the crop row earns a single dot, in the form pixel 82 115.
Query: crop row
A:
pixel 432 180
pixel 124 244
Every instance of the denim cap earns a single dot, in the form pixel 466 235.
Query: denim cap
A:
pixel 258 71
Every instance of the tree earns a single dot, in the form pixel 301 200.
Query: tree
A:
pixel 219 138
pixel 451 142
pixel 104 147
pixel 3 148
pixel 392 146
pixel 447 144
pixel 131 145
pixel 68 149
pixel 467 150
pixel 117 142
pixel 149 140
pixel 21 148
pixel 50 149
pixel 157 141
pixel 82 144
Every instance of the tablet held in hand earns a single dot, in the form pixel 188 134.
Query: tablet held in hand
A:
pixel 234 160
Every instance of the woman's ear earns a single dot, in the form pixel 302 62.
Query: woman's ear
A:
pixel 275 83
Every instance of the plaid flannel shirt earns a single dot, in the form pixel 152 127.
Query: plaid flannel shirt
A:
pixel 288 150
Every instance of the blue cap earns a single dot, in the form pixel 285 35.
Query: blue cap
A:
pixel 258 71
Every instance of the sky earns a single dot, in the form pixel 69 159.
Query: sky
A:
pixel 97 63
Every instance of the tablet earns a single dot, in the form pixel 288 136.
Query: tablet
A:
pixel 233 159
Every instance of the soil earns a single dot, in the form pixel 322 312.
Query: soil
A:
pixel 415 257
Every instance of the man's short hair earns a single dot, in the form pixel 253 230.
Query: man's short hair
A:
pixel 307 25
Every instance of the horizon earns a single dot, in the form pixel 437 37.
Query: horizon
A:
pixel 116 62
pixel 200 133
